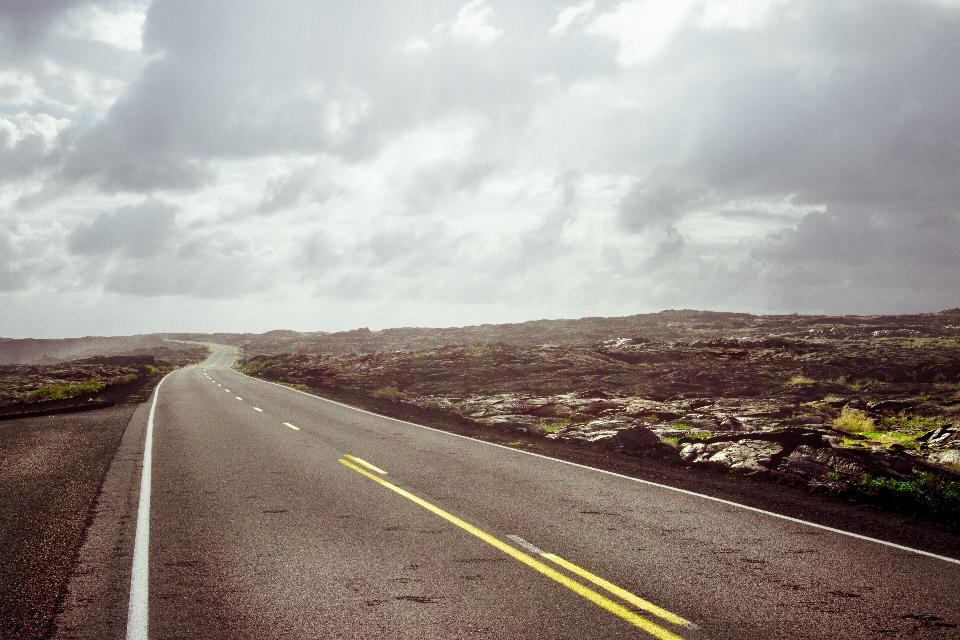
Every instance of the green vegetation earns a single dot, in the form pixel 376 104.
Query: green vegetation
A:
pixel 683 427
pixel 853 421
pixel 902 421
pixel 295 385
pixel 254 366
pixel 927 491
pixel 62 392
pixel 152 369
pixel 831 475
pixel 800 380
pixel 391 394
pixel 899 429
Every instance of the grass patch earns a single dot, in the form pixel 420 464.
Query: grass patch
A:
pixel 254 366
pixel 151 368
pixel 699 436
pixel 800 380
pixel 902 421
pixel 390 394
pixel 853 421
pixel 831 475
pixel 62 392
pixel 515 443
pixel 928 491
pixel 552 428
pixel 295 385
pixel 683 427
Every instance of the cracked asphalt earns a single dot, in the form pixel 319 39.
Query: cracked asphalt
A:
pixel 275 514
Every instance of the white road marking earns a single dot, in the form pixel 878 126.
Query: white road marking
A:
pixel 639 480
pixel 526 545
pixel 137 610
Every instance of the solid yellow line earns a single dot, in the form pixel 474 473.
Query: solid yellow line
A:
pixel 258 409
pixel 576 587
pixel 365 463
pixel 636 601
pixel 291 426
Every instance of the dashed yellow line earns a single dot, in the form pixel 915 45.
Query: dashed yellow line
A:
pixel 591 595
pixel 291 426
pixel 239 398
pixel 366 464
pixel 258 409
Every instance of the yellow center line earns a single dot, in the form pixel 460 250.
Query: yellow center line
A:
pixel 258 409
pixel 366 464
pixel 291 426
pixel 239 398
pixel 636 601
pixel 591 595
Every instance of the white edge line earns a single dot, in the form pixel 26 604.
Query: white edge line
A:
pixel 618 475
pixel 138 620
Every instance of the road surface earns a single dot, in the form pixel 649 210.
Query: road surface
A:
pixel 276 514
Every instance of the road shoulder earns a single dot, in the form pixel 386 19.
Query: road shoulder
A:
pixel 94 604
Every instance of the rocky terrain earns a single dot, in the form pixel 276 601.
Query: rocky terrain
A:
pixel 28 388
pixel 852 405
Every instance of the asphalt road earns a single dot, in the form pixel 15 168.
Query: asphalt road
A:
pixel 275 514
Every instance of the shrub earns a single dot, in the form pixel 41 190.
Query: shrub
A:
pixel 391 394
pixel 254 366
pixel 62 392
pixel 853 421
pixel 927 490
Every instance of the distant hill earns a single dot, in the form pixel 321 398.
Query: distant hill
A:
pixel 665 326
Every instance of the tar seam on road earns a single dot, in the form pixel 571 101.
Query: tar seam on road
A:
pixel 641 481
pixel 138 618
pixel 601 601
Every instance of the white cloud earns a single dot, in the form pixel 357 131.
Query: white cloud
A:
pixel 568 16
pixel 23 125
pixel 121 28
pixel 642 28
pixel 736 14
pixel 472 24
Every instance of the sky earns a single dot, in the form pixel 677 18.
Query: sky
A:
pixel 214 165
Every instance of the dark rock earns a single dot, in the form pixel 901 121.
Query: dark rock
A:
pixel 636 439
pixel 899 404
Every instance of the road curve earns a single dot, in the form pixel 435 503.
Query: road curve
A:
pixel 276 514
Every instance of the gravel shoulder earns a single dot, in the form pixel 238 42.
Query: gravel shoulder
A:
pixel 51 471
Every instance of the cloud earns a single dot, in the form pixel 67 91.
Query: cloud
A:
pixel 136 231
pixel 568 16
pixel 472 24
pixel 483 157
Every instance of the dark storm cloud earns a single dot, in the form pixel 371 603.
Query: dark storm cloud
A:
pixel 137 231
pixel 249 79
pixel 25 22
pixel 851 107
